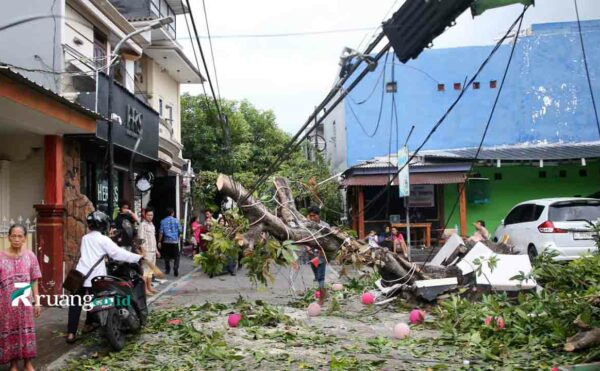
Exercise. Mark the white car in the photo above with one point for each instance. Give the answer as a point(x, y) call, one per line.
point(560, 224)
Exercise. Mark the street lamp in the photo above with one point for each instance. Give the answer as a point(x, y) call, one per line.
point(115, 55)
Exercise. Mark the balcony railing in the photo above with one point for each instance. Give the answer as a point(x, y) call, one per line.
point(161, 9)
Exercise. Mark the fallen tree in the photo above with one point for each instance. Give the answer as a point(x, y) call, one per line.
point(286, 223)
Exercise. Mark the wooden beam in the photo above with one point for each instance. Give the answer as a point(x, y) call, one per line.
point(463, 209)
point(361, 213)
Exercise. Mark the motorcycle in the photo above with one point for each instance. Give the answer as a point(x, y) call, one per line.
point(119, 302)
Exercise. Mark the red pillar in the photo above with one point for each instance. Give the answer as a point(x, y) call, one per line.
point(51, 218)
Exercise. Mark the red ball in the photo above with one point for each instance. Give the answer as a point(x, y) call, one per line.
point(417, 316)
point(234, 319)
point(317, 294)
point(367, 298)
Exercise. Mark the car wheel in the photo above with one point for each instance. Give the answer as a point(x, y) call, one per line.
point(532, 252)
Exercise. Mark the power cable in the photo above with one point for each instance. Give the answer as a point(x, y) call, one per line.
point(187, 25)
point(371, 135)
point(293, 143)
point(487, 126)
point(585, 63)
point(450, 109)
point(284, 34)
point(212, 53)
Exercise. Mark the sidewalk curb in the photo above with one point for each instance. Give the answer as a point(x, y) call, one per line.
point(171, 285)
point(59, 363)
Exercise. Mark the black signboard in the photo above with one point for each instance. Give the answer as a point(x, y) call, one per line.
point(137, 118)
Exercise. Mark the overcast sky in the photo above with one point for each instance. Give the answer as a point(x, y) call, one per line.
point(291, 75)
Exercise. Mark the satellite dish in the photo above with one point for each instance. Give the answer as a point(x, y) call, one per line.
point(144, 182)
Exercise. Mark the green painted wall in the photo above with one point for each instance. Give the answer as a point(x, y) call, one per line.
point(518, 184)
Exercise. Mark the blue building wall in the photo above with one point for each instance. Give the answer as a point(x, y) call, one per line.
point(545, 98)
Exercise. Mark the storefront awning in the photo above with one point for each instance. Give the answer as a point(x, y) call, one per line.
point(415, 178)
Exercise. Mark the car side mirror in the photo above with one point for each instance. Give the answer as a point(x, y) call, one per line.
point(502, 222)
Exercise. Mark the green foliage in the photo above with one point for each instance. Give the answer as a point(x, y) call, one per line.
point(255, 142)
point(258, 261)
point(539, 322)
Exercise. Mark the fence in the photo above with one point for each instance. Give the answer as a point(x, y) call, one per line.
point(31, 231)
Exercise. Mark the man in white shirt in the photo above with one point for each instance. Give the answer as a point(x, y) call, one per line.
point(94, 247)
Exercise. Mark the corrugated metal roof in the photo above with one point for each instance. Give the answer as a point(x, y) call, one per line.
point(415, 178)
point(7, 71)
point(524, 151)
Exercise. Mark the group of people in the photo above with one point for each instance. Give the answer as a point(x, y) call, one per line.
point(390, 238)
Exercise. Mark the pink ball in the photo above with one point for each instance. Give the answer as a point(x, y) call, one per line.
point(317, 294)
point(337, 287)
point(401, 331)
point(367, 298)
point(314, 309)
point(234, 319)
point(417, 316)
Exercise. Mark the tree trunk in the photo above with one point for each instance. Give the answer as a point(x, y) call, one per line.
point(583, 340)
point(288, 224)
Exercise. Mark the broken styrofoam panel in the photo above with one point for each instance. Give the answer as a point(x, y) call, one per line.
point(436, 282)
point(388, 289)
point(507, 266)
point(431, 289)
point(453, 243)
point(479, 251)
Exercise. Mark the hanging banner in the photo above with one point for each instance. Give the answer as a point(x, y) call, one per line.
point(403, 176)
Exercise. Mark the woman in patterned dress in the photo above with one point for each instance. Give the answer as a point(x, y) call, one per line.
point(17, 329)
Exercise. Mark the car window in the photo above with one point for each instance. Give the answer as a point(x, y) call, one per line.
point(538, 212)
point(580, 210)
point(522, 214)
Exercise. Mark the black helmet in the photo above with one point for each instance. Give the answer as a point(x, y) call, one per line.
point(98, 221)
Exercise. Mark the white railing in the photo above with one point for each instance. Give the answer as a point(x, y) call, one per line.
point(5, 226)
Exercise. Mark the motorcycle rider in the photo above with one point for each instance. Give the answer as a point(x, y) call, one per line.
point(94, 245)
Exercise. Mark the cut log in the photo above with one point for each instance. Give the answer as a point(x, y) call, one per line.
point(583, 340)
point(287, 223)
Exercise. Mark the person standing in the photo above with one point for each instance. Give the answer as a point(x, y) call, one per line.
point(170, 231)
point(197, 230)
point(318, 262)
point(17, 329)
point(95, 246)
point(148, 235)
point(125, 224)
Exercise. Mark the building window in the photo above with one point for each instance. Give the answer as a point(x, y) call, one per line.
point(160, 107)
point(441, 87)
point(493, 84)
point(562, 173)
point(497, 176)
point(457, 86)
point(542, 174)
point(169, 114)
point(582, 172)
point(476, 85)
point(99, 49)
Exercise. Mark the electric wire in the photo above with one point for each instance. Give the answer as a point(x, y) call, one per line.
point(449, 110)
point(585, 63)
point(487, 125)
point(360, 124)
point(297, 139)
point(212, 53)
point(284, 34)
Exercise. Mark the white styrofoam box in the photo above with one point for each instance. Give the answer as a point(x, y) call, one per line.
point(479, 251)
point(507, 266)
point(449, 247)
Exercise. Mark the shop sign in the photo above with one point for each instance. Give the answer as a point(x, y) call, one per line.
point(422, 195)
point(134, 121)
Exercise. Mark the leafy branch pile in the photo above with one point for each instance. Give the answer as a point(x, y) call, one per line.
point(530, 329)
